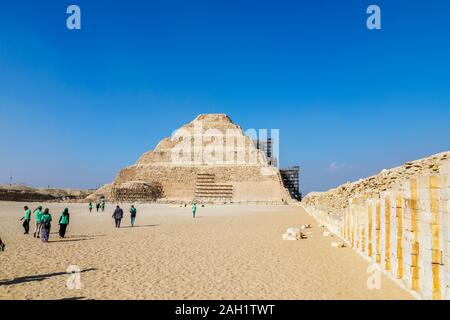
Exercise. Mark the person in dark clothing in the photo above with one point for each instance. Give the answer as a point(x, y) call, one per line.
point(97, 206)
point(26, 220)
point(63, 222)
point(118, 215)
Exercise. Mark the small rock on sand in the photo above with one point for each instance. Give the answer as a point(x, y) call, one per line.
point(337, 244)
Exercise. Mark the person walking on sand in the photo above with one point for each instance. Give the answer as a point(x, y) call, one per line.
point(133, 212)
point(2, 245)
point(90, 206)
point(26, 220)
point(46, 225)
point(118, 215)
point(102, 205)
point(38, 217)
point(63, 222)
point(194, 209)
point(97, 206)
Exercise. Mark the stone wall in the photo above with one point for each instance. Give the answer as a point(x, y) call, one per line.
point(335, 199)
point(404, 229)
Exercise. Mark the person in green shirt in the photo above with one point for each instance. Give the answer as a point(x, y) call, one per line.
point(90, 206)
point(102, 205)
point(194, 209)
point(63, 222)
point(26, 220)
point(46, 225)
point(38, 215)
point(133, 212)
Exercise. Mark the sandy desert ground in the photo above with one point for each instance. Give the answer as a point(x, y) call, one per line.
point(228, 252)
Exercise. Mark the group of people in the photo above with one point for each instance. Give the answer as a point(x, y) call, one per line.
point(118, 216)
point(43, 222)
point(101, 204)
point(118, 212)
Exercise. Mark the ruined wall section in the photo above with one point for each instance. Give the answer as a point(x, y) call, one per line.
point(404, 229)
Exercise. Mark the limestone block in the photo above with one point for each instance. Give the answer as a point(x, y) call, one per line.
point(407, 223)
point(394, 266)
point(424, 203)
point(406, 187)
point(407, 203)
point(446, 247)
point(292, 233)
point(407, 275)
point(446, 275)
point(288, 237)
point(446, 259)
point(445, 167)
point(424, 229)
point(426, 217)
point(444, 180)
point(446, 233)
point(445, 194)
point(426, 279)
point(423, 182)
point(337, 244)
point(412, 260)
point(426, 293)
point(429, 256)
point(408, 236)
point(444, 206)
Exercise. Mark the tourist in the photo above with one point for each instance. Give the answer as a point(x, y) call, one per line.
point(133, 212)
point(118, 215)
point(97, 206)
point(90, 206)
point(2, 245)
point(63, 222)
point(46, 225)
point(38, 215)
point(102, 205)
point(26, 220)
point(194, 209)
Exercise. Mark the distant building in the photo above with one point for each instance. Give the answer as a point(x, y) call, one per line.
point(291, 181)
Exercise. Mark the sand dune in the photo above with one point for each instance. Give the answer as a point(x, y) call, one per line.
point(228, 252)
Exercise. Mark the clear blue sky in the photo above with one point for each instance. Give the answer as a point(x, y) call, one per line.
point(76, 106)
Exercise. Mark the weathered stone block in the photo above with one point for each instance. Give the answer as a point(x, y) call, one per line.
point(444, 206)
point(445, 194)
point(445, 167)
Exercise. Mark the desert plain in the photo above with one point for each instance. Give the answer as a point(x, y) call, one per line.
point(227, 252)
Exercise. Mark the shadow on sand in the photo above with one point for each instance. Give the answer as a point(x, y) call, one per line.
point(69, 240)
point(40, 277)
point(139, 226)
point(76, 238)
